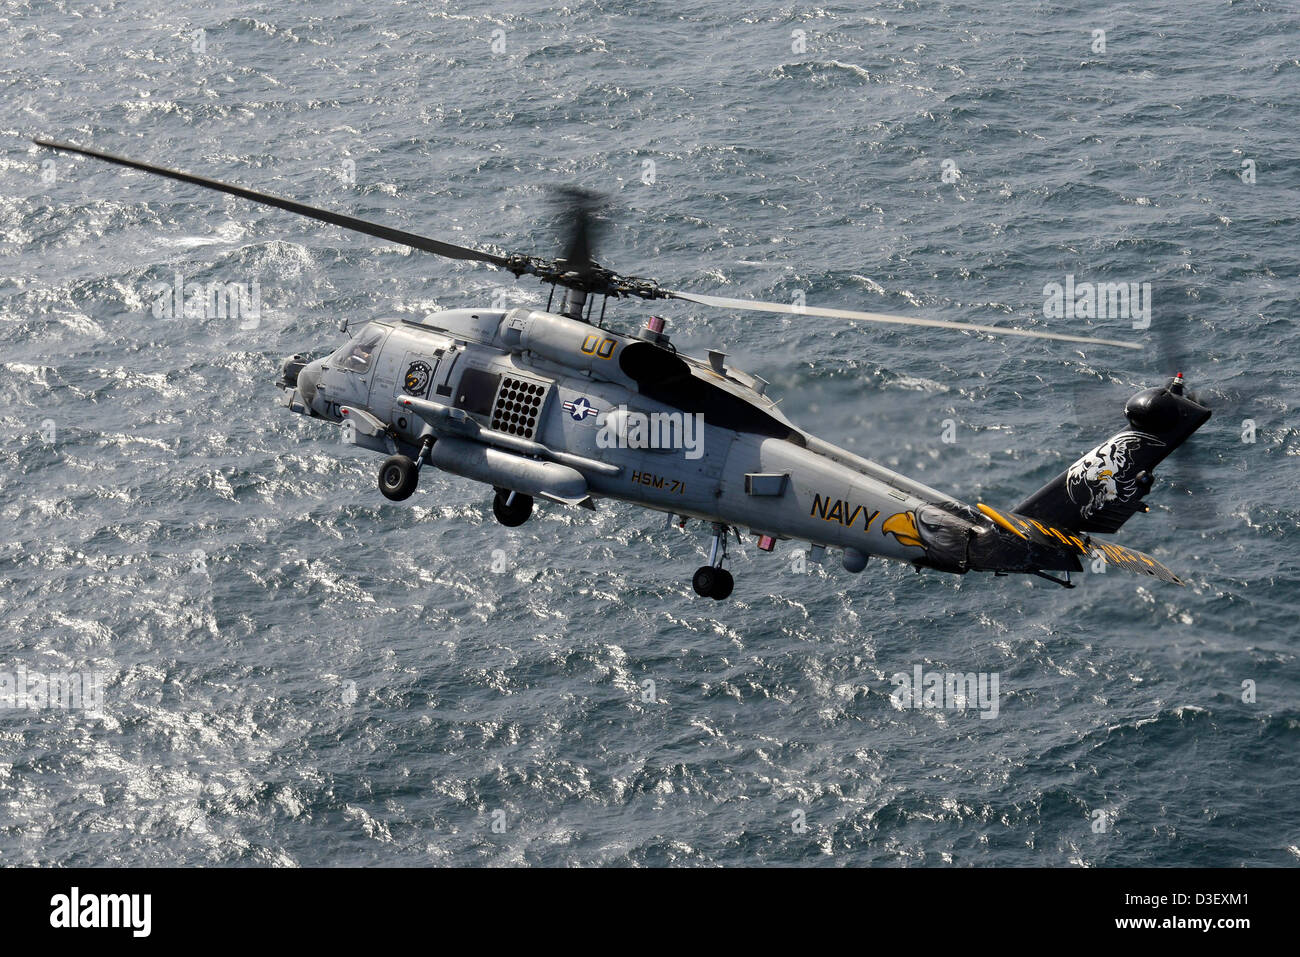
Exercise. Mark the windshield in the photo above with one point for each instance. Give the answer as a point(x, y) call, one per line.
point(357, 355)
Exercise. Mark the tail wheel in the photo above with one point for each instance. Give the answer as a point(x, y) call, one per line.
point(514, 514)
point(712, 580)
point(398, 477)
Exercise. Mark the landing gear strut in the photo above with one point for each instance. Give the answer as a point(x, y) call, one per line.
point(512, 508)
point(712, 580)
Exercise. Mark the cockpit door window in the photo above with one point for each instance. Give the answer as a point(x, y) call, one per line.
point(358, 355)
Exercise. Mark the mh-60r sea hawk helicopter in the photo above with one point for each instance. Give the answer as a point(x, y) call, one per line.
point(541, 404)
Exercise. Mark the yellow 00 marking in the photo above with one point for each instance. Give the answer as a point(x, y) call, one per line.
point(596, 346)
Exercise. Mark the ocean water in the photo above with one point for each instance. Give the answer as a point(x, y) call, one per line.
point(298, 672)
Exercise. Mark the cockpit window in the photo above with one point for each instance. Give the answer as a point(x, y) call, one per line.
point(358, 354)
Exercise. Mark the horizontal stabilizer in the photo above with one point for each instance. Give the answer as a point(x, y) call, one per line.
point(1130, 559)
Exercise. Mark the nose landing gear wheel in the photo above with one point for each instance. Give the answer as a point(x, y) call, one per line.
point(511, 508)
point(398, 477)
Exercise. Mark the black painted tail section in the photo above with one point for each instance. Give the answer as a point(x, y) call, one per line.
point(1100, 491)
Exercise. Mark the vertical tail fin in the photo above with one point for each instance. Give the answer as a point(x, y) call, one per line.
point(1100, 491)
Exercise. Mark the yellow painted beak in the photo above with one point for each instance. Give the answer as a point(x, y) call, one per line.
point(902, 525)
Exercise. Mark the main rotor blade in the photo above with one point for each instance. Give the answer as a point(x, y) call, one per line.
point(759, 305)
point(579, 207)
point(401, 237)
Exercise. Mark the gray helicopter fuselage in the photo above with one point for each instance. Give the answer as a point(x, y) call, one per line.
point(547, 405)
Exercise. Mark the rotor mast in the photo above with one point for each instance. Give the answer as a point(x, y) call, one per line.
point(572, 304)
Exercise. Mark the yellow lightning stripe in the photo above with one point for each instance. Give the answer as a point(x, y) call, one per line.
point(1060, 535)
point(997, 518)
point(1041, 528)
point(1115, 552)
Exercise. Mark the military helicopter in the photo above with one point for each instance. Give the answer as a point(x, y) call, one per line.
point(553, 405)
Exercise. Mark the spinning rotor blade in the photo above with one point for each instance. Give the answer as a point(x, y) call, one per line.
point(580, 206)
point(423, 243)
point(758, 305)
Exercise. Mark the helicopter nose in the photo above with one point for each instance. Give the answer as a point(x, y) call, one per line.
point(308, 378)
point(289, 370)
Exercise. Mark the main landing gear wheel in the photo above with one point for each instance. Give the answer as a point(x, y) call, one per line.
point(712, 580)
point(511, 508)
point(723, 586)
point(398, 477)
point(706, 577)
point(715, 583)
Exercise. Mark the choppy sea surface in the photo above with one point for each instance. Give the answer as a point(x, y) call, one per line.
point(299, 672)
